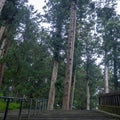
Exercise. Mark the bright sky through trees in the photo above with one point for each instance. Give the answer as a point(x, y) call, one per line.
point(38, 4)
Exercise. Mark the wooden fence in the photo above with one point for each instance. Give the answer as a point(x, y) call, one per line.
point(110, 102)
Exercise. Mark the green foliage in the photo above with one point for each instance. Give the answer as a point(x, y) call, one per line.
point(95, 78)
point(27, 63)
point(2, 105)
point(109, 30)
point(12, 106)
point(57, 13)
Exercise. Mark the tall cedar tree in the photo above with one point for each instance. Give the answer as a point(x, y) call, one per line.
point(107, 14)
point(70, 54)
point(56, 17)
point(7, 18)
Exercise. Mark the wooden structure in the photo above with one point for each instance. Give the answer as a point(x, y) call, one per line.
point(110, 102)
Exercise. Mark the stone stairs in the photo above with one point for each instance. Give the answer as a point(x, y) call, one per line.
point(63, 115)
point(70, 115)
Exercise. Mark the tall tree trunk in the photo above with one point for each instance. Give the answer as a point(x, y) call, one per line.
point(115, 68)
point(70, 53)
point(52, 87)
point(88, 95)
point(2, 29)
point(3, 50)
point(88, 79)
point(72, 90)
point(106, 74)
point(1, 73)
point(2, 2)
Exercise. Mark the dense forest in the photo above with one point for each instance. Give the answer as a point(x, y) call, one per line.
point(41, 62)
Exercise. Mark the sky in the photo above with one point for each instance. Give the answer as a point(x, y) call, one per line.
point(118, 7)
point(38, 4)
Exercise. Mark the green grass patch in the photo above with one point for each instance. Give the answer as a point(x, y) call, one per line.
point(12, 105)
point(2, 105)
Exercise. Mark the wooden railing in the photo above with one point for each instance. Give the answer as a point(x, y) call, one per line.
point(26, 106)
point(110, 102)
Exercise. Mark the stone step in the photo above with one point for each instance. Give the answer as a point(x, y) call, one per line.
point(63, 115)
point(67, 119)
point(70, 115)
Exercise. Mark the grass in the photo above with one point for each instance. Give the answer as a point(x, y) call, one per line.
point(12, 106)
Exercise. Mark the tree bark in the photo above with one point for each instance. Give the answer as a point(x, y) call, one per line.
point(1, 73)
point(115, 67)
point(2, 2)
point(51, 98)
point(70, 53)
point(3, 50)
point(88, 79)
point(2, 29)
point(88, 95)
point(72, 90)
point(106, 74)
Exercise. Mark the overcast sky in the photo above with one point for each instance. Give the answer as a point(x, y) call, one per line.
point(38, 4)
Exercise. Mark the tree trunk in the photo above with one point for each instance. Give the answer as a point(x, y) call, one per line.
point(2, 29)
point(2, 48)
point(72, 90)
point(106, 74)
point(1, 73)
point(2, 53)
point(88, 95)
point(88, 79)
point(70, 53)
point(2, 2)
point(115, 67)
point(51, 98)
